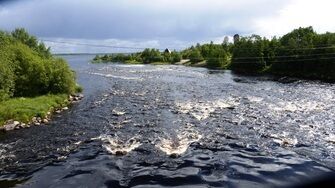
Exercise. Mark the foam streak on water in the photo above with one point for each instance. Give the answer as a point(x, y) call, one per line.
point(202, 109)
point(180, 143)
point(115, 145)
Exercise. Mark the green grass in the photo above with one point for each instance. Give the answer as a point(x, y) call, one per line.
point(24, 109)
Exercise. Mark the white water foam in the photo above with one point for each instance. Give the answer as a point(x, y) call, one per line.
point(202, 110)
point(180, 143)
point(301, 105)
point(284, 139)
point(5, 151)
point(255, 99)
point(115, 145)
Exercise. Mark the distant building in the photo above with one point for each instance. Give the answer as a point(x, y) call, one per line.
point(236, 38)
point(167, 51)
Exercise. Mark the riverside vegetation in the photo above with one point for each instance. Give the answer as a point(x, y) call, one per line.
point(301, 53)
point(32, 81)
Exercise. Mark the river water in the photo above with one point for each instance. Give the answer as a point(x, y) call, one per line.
point(165, 126)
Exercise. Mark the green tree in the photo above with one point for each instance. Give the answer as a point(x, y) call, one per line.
point(151, 55)
point(176, 57)
point(31, 41)
point(24, 72)
point(195, 56)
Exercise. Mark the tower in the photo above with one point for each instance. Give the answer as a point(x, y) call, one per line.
point(236, 38)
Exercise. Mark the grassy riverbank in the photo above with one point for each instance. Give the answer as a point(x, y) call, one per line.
point(32, 81)
point(24, 109)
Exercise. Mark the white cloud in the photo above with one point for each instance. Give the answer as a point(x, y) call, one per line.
point(299, 13)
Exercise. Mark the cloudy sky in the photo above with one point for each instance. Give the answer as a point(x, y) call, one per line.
point(158, 23)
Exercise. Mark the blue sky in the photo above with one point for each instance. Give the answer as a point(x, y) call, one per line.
point(159, 23)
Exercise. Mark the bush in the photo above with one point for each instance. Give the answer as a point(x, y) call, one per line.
point(176, 57)
point(26, 72)
point(195, 56)
point(151, 55)
point(62, 79)
point(216, 62)
point(23, 36)
point(30, 72)
point(6, 80)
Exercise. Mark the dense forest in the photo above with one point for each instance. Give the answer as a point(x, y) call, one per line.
point(300, 53)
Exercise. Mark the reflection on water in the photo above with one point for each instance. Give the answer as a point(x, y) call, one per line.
point(161, 126)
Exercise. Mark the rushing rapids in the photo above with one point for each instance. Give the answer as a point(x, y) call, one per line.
point(160, 126)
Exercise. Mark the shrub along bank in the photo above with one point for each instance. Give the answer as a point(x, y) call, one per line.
point(27, 72)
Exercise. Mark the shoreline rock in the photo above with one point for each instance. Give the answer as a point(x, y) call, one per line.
point(11, 124)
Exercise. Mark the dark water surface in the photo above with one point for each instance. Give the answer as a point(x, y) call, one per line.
point(177, 126)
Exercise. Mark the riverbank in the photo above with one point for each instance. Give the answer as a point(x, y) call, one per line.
point(33, 82)
point(17, 113)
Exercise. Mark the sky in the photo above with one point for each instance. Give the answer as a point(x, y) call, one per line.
point(173, 24)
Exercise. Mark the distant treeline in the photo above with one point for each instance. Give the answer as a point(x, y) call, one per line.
point(300, 53)
point(28, 69)
point(147, 56)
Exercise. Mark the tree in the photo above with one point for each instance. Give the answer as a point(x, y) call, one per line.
point(24, 72)
point(22, 35)
point(176, 57)
point(195, 56)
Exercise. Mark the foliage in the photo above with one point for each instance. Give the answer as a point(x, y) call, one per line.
point(7, 82)
point(248, 54)
point(27, 68)
point(151, 55)
point(216, 55)
point(175, 57)
point(300, 53)
point(195, 56)
point(61, 77)
point(23, 36)
point(146, 56)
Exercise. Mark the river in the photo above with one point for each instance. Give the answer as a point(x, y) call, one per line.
point(164, 126)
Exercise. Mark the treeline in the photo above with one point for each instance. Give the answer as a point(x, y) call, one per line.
point(300, 53)
point(28, 69)
point(146, 56)
point(214, 55)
